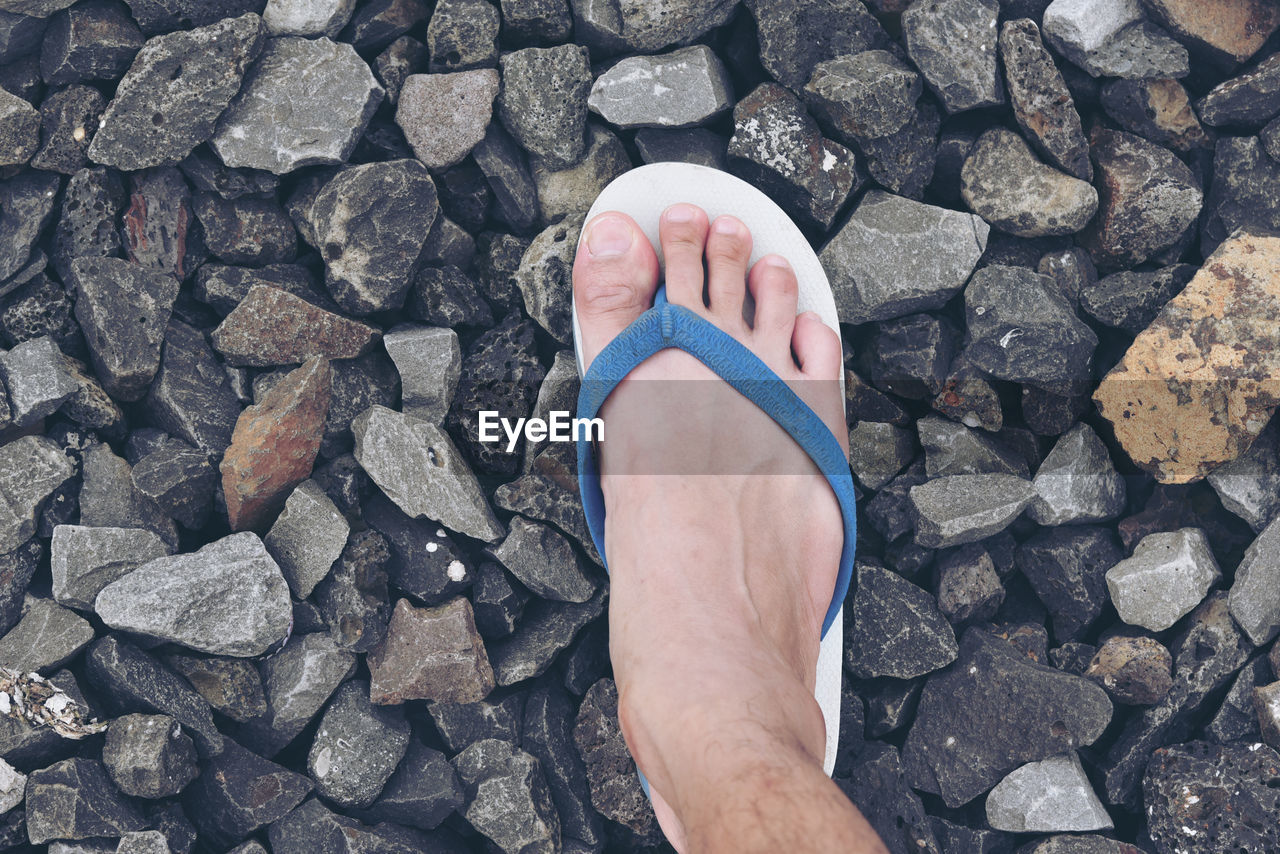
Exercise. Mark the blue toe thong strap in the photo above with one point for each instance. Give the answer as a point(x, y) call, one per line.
point(666, 325)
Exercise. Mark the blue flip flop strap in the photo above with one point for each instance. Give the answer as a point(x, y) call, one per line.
point(666, 325)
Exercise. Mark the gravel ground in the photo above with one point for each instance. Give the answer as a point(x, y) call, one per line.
point(262, 587)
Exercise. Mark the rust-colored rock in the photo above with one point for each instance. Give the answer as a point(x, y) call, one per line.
point(1228, 30)
point(1158, 109)
point(1198, 385)
point(274, 446)
point(430, 654)
point(273, 327)
point(1136, 671)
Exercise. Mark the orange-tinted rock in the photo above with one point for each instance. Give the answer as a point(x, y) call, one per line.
point(1231, 30)
point(273, 327)
point(274, 446)
point(1198, 385)
point(1158, 109)
point(431, 654)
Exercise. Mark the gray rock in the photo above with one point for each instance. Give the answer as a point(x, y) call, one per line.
point(542, 559)
point(545, 278)
point(544, 101)
point(1249, 99)
point(992, 712)
point(953, 43)
point(969, 588)
point(357, 747)
point(796, 36)
point(109, 499)
point(1165, 579)
point(149, 756)
point(1255, 594)
point(66, 118)
point(1131, 299)
point(307, 17)
point(1110, 39)
point(307, 537)
point(1003, 182)
point(461, 725)
point(124, 346)
point(895, 628)
point(463, 34)
point(545, 631)
point(431, 654)
point(1266, 701)
point(952, 448)
point(896, 256)
point(1077, 482)
point(73, 799)
point(298, 681)
point(633, 27)
point(305, 102)
point(143, 842)
point(863, 96)
point(965, 508)
point(1066, 568)
point(1021, 329)
point(549, 719)
point(1249, 485)
point(180, 480)
point(566, 193)
point(423, 791)
point(683, 88)
point(191, 397)
point(46, 637)
point(369, 266)
point(240, 792)
point(507, 798)
point(37, 378)
point(26, 206)
point(228, 598)
point(429, 361)
point(87, 222)
point(507, 171)
point(1237, 718)
point(31, 468)
point(611, 772)
point(778, 147)
point(444, 116)
point(417, 466)
point(173, 93)
point(1243, 192)
point(879, 451)
point(12, 787)
point(1046, 796)
point(688, 145)
point(1041, 102)
point(19, 129)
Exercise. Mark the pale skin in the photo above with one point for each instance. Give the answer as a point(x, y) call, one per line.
point(719, 581)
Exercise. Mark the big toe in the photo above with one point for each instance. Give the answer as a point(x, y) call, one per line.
point(615, 276)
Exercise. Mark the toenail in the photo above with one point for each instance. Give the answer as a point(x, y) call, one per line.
point(680, 213)
point(725, 225)
point(777, 261)
point(609, 236)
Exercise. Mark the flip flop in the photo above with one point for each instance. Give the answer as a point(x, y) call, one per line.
point(644, 193)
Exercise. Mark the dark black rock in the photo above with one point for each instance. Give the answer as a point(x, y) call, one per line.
point(463, 34)
point(16, 569)
point(1244, 192)
point(169, 819)
point(1131, 299)
point(156, 227)
point(90, 41)
point(903, 161)
point(108, 497)
point(68, 120)
point(507, 796)
point(505, 167)
point(543, 102)
point(1067, 568)
point(889, 512)
point(209, 174)
point(232, 686)
point(587, 660)
point(796, 36)
point(958, 839)
point(548, 736)
point(878, 787)
point(344, 481)
point(462, 724)
point(446, 296)
point(1072, 657)
point(993, 711)
point(191, 397)
point(422, 553)
point(1237, 719)
point(498, 268)
point(353, 597)
point(891, 703)
point(536, 21)
point(969, 589)
point(545, 630)
point(180, 480)
point(298, 681)
point(404, 56)
point(19, 35)
point(1222, 796)
point(149, 756)
point(357, 747)
point(498, 600)
point(1041, 102)
point(423, 791)
point(26, 205)
point(87, 222)
point(381, 22)
point(611, 772)
point(247, 231)
point(895, 628)
point(314, 828)
point(74, 799)
point(22, 78)
point(161, 16)
point(239, 792)
point(912, 355)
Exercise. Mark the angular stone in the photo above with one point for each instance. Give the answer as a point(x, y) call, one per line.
point(953, 43)
point(19, 129)
point(611, 772)
point(499, 601)
point(779, 148)
point(690, 145)
point(543, 495)
point(504, 166)
point(307, 537)
point(130, 680)
point(879, 451)
point(381, 22)
point(357, 747)
point(1077, 482)
point(431, 654)
point(543, 102)
point(952, 448)
point(1131, 299)
point(149, 756)
point(878, 787)
point(20, 35)
point(1249, 99)
point(1041, 101)
point(12, 787)
point(546, 630)
point(232, 686)
point(429, 361)
point(1243, 192)
point(91, 41)
point(67, 121)
point(1167, 576)
point(897, 629)
point(274, 445)
point(298, 681)
point(73, 799)
point(1234, 778)
point(568, 193)
point(246, 230)
point(683, 88)
point(1135, 671)
point(969, 589)
point(307, 17)
point(156, 226)
point(180, 480)
point(87, 223)
point(1112, 39)
point(26, 206)
point(353, 599)
point(865, 95)
point(545, 273)
point(1229, 32)
point(992, 712)
point(1046, 796)
point(306, 102)
point(46, 637)
point(1255, 594)
point(507, 798)
point(392, 67)
point(173, 93)
point(1067, 567)
point(37, 378)
point(444, 116)
point(1186, 383)
point(462, 35)
point(425, 562)
point(240, 792)
point(796, 36)
point(1266, 701)
point(1249, 486)
point(461, 725)
point(965, 508)
point(1156, 109)
point(912, 354)
point(548, 729)
point(271, 327)
point(543, 561)
point(448, 243)
point(191, 397)
point(1022, 329)
point(1003, 182)
point(895, 256)
point(228, 598)
point(1237, 718)
point(1147, 199)
point(31, 469)
point(903, 161)
point(537, 21)
point(423, 791)
point(108, 497)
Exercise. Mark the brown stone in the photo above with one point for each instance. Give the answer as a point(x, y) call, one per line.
point(273, 327)
point(1158, 109)
point(1266, 701)
point(274, 445)
point(1136, 671)
point(1198, 385)
point(1230, 30)
point(444, 116)
point(430, 654)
